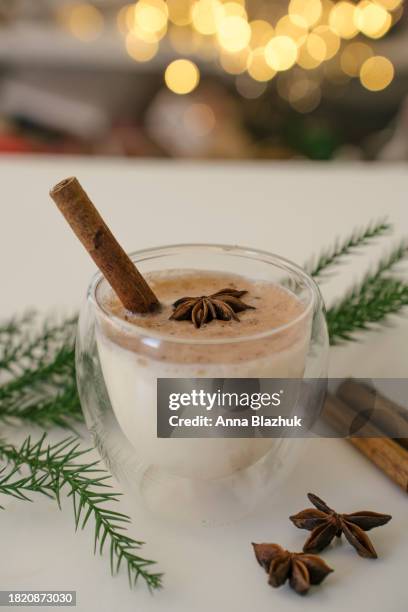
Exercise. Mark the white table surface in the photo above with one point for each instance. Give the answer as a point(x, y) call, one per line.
point(293, 210)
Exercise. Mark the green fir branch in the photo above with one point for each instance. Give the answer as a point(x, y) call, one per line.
point(334, 255)
point(17, 486)
point(388, 262)
point(37, 373)
point(54, 469)
point(370, 302)
point(365, 307)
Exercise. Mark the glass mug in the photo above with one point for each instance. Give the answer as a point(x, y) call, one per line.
point(208, 481)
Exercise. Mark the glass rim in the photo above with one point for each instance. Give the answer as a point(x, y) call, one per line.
point(240, 251)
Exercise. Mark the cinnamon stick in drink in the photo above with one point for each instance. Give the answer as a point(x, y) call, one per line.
point(121, 273)
point(383, 413)
point(386, 454)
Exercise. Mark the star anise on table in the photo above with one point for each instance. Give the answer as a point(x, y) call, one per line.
point(325, 524)
point(301, 569)
point(221, 305)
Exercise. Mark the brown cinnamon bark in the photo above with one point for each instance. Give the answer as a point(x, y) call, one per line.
point(385, 414)
point(386, 454)
point(111, 259)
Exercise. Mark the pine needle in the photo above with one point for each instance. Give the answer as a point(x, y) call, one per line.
point(334, 255)
point(365, 307)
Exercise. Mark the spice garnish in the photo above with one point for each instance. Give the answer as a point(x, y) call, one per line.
point(325, 523)
point(301, 569)
point(117, 267)
point(222, 305)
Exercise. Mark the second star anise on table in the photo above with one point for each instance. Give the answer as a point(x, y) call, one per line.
point(301, 569)
point(325, 524)
point(221, 305)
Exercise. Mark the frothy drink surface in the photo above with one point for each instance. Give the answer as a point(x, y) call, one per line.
point(274, 305)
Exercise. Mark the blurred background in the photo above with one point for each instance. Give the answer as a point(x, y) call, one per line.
point(254, 79)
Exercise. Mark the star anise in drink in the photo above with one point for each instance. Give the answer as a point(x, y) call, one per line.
point(325, 524)
point(221, 305)
point(301, 569)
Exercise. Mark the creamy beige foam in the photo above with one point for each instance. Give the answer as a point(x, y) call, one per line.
point(274, 305)
point(275, 308)
point(134, 355)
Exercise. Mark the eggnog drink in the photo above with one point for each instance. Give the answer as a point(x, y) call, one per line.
point(269, 341)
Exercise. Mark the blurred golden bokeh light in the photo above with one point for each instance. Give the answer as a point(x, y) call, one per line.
point(342, 21)
point(327, 6)
point(372, 19)
point(354, 56)
point(234, 9)
point(306, 12)
point(305, 60)
point(294, 28)
point(206, 15)
point(179, 12)
point(258, 67)
point(376, 73)
point(261, 33)
point(151, 15)
point(84, 21)
point(139, 49)
point(234, 63)
point(182, 76)
point(234, 33)
point(316, 47)
point(331, 39)
point(281, 53)
point(148, 35)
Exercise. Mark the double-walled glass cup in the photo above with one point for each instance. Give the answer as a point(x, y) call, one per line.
point(207, 480)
